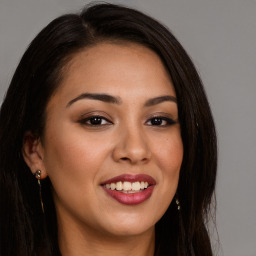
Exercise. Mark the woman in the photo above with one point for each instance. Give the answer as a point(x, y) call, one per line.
point(108, 144)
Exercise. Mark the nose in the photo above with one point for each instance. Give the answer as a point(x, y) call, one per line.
point(132, 147)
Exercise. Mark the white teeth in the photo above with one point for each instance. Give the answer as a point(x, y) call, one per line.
point(112, 186)
point(119, 185)
point(131, 191)
point(128, 187)
point(136, 185)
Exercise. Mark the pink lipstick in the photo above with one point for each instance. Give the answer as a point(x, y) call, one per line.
point(130, 189)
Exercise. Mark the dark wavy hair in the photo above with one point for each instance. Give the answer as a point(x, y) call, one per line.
point(25, 230)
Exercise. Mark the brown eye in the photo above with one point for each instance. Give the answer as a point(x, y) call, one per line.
point(160, 121)
point(95, 121)
point(157, 121)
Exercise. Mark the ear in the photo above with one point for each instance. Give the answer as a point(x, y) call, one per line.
point(33, 153)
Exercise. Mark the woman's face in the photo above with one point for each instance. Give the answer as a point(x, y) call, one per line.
point(112, 146)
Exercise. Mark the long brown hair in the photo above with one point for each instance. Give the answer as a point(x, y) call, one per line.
point(24, 228)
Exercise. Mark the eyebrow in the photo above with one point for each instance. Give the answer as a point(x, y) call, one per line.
point(116, 100)
point(95, 96)
point(160, 99)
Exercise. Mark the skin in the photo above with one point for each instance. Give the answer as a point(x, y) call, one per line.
point(78, 156)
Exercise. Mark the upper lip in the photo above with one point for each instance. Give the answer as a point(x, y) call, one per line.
point(131, 178)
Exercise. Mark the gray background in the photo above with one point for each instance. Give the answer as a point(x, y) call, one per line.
point(220, 36)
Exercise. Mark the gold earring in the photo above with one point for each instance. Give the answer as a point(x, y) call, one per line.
point(37, 174)
point(178, 203)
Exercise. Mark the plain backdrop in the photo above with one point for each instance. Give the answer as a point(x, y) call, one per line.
point(220, 36)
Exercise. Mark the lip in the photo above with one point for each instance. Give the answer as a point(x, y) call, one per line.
point(133, 198)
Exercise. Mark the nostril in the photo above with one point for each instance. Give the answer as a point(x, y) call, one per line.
point(125, 158)
point(132, 160)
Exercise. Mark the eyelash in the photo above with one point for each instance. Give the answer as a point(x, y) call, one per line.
point(168, 121)
point(99, 119)
point(95, 118)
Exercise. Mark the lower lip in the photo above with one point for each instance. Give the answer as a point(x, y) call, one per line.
point(132, 198)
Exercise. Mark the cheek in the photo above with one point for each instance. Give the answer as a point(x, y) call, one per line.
point(169, 154)
point(169, 159)
point(73, 162)
point(72, 159)
point(69, 145)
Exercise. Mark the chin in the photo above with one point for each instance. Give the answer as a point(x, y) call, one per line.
point(123, 231)
point(130, 225)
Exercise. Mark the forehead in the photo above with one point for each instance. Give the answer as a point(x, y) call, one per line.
point(118, 69)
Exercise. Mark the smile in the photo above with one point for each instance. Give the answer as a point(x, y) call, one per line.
point(130, 189)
